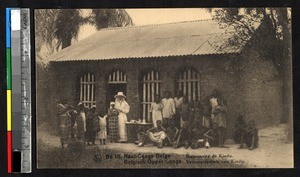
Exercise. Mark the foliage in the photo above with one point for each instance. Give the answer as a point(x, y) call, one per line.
point(56, 28)
point(67, 26)
point(104, 18)
point(273, 42)
point(245, 21)
point(45, 30)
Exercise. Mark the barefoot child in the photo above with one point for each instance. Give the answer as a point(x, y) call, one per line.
point(212, 137)
point(198, 136)
point(103, 132)
point(172, 134)
point(184, 137)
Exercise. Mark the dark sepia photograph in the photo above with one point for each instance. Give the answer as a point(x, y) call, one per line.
point(164, 88)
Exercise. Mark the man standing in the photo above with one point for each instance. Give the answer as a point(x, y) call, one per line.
point(178, 100)
point(123, 107)
point(168, 109)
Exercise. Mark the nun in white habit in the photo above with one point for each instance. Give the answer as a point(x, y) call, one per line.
point(123, 107)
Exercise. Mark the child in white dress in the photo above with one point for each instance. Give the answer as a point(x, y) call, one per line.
point(103, 132)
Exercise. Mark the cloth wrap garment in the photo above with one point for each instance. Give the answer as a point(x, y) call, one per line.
point(64, 122)
point(157, 137)
point(81, 128)
point(113, 124)
point(156, 109)
point(102, 122)
point(220, 112)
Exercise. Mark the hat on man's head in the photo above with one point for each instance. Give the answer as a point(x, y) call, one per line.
point(80, 104)
point(120, 94)
point(112, 103)
point(94, 106)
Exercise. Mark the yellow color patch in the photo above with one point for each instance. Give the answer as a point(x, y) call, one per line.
point(8, 97)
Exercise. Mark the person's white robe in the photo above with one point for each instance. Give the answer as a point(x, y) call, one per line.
point(168, 108)
point(214, 103)
point(123, 108)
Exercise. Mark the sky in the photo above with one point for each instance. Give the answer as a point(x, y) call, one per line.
point(159, 16)
point(142, 17)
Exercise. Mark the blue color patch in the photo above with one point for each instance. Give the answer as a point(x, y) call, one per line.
point(7, 23)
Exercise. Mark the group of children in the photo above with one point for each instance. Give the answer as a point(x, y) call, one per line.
point(177, 123)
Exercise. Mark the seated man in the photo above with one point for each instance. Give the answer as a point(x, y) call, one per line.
point(198, 136)
point(250, 136)
point(156, 135)
point(140, 135)
point(212, 137)
point(239, 128)
point(184, 137)
point(172, 134)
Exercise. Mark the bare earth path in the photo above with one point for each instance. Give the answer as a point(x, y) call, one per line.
point(273, 151)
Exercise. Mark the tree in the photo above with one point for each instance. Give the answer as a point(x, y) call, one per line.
point(56, 28)
point(67, 26)
point(276, 25)
point(45, 31)
point(104, 18)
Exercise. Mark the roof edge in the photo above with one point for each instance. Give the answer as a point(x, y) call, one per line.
point(150, 25)
point(111, 59)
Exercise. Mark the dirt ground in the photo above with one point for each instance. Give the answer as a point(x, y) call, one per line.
point(273, 151)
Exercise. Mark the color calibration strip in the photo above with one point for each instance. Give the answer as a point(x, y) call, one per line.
point(18, 79)
point(8, 92)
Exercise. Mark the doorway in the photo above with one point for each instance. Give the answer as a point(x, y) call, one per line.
point(117, 82)
point(112, 90)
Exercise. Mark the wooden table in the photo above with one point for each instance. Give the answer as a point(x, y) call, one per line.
point(132, 130)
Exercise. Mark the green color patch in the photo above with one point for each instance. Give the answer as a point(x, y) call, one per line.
point(8, 68)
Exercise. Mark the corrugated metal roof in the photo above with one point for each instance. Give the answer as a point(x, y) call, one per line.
point(174, 39)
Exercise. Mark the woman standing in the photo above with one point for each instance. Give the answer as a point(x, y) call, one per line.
point(81, 127)
point(123, 107)
point(64, 122)
point(92, 125)
point(113, 123)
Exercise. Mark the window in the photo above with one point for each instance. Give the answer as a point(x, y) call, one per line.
point(189, 83)
point(87, 89)
point(150, 87)
point(117, 77)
